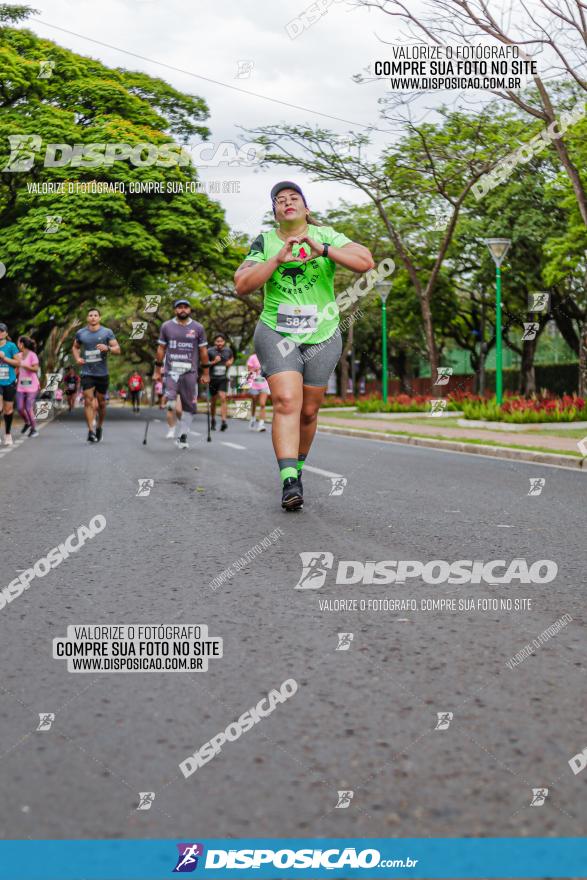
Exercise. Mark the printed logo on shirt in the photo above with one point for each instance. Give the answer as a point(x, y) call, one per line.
point(300, 278)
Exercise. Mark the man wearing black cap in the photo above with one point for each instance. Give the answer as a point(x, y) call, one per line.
point(182, 347)
point(297, 339)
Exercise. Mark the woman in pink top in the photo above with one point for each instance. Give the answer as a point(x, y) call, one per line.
point(258, 387)
point(28, 384)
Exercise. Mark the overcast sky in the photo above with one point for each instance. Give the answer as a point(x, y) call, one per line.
point(210, 38)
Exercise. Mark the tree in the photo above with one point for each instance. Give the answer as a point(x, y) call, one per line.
point(557, 30)
point(432, 165)
point(105, 246)
point(527, 210)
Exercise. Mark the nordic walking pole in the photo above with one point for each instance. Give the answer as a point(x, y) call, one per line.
point(208, 438)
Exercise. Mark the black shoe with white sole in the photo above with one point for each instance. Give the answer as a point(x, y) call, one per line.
point(292, 498)
point(92, 437)
point(98, 434)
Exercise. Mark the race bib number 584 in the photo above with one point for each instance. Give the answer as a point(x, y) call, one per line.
point(296, 319)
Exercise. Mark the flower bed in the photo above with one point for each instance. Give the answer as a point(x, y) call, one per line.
point(332, 400)
point(405, 403)
point(521, 410)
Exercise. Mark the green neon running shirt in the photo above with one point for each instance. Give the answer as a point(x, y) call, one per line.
point(299, 284)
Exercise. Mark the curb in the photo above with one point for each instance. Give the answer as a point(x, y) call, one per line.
point(402, 416)
point(550, 458)
point(527, 426)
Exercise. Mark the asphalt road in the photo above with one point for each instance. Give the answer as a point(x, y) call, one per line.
point(362, 719)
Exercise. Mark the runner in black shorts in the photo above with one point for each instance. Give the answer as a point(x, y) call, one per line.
point(221, 358)
point(297, 339)
point(71, 382)
point(96, 342)
point(9, 359)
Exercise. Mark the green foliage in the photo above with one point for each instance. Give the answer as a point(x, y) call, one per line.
point(109, 247)
point(402, 404)
point(521, 411)
point(14, 13)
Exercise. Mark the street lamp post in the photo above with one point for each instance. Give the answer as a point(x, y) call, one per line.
point(498, 248)
point(383, 288)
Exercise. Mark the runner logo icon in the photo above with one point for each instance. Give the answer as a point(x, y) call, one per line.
point(344, 800)
point(537, 484)
point(146, 799)
point(46, 69)
point(444, 719)
point(46, 719)
point(539, 795)
point(43, 409)
point(314, 568)
point(338, 485)
point(531, 329)
point(138, 329)
point(538, 302)
point(438, 406)
point(188, 857)
point(53, 380)
point(344, 641)
point(152, 302)
point(52, 222)
point(444, 374)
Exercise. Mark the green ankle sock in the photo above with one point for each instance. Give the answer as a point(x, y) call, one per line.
point(300, 465)
point(287, 468)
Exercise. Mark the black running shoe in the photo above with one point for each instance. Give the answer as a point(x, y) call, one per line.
point(300, 483)
point(25, 428)
point(292, 498)
point(92, 437)
point(98, 434)
point(223, 426)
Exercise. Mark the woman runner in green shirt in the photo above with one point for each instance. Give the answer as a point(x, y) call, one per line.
point(297, 339)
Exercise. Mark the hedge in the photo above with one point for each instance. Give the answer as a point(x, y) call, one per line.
point(556, 378)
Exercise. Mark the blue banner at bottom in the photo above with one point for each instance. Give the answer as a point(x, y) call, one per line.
point(293, 857)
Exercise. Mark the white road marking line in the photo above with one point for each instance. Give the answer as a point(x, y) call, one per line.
point(315, 470)
point(232, 445)
point(196, 433)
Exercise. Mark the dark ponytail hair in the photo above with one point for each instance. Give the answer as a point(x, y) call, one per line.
point(28, 342)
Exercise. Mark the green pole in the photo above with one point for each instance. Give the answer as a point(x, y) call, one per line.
point(498, 354)
point(384, 348)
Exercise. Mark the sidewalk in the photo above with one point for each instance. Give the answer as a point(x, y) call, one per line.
point(530, 445)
